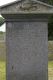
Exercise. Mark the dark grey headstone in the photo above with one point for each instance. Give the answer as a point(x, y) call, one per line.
point(27, 48)
point(27, 39)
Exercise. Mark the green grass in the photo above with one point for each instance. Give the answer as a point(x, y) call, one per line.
point(50, 46)
point(2, 61)
point(2, 51)
point(50, 64)
point(50, 70)
point(2, 70)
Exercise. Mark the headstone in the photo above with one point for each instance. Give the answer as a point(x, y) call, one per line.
point(27, 39)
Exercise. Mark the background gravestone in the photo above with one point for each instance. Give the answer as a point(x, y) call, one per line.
point(27, 39)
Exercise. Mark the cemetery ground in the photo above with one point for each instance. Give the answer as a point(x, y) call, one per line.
point(3, 61)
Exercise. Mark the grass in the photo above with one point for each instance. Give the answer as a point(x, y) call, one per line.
point(50, 46)
point(50, 70)
point(2, 61)
point(50, 64)
point(2, 70)
point(2, 51)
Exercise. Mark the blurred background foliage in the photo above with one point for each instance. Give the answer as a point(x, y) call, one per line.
point(50, 24)
point(2, 20)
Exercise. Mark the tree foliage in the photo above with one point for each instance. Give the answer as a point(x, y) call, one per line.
point(1, 20)
point(50, 24)
point(50, 28)
point(50, 2)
